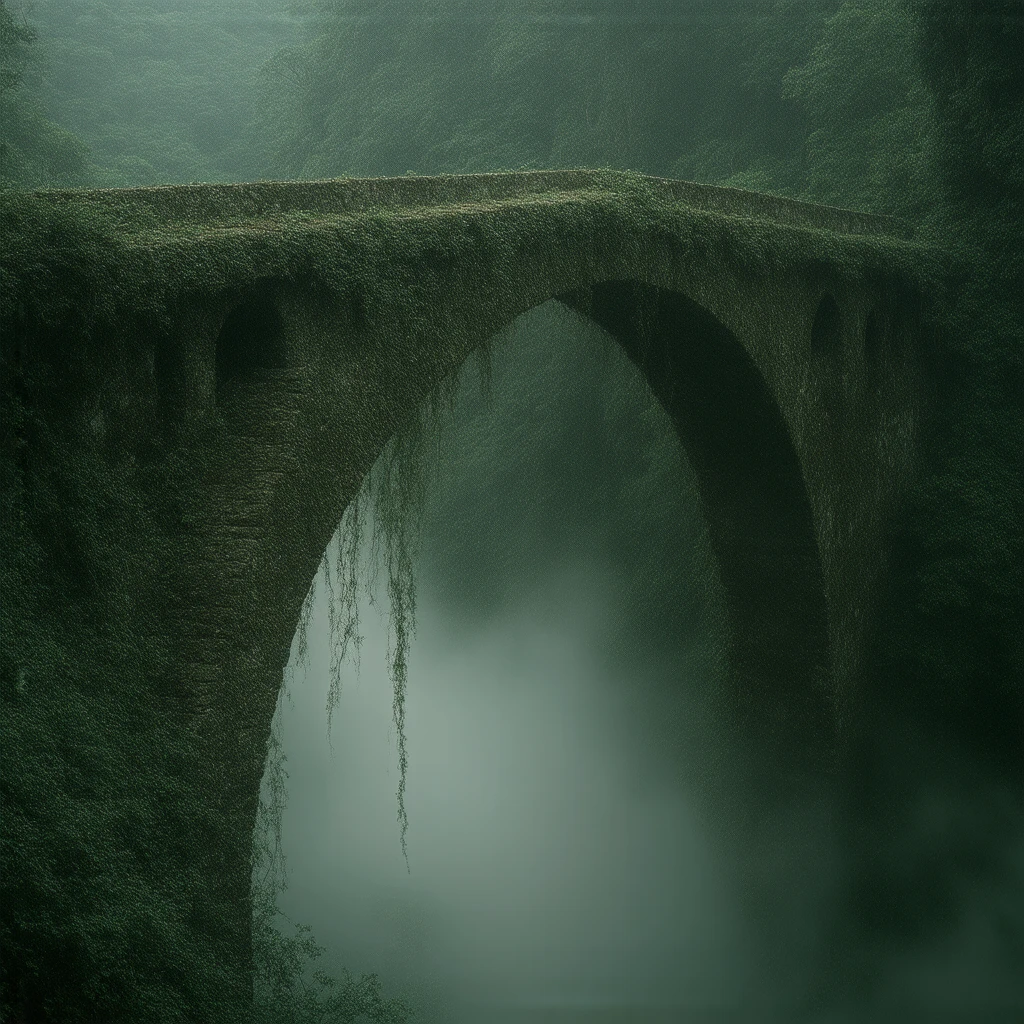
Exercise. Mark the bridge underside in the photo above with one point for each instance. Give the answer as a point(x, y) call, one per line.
point(235, 358)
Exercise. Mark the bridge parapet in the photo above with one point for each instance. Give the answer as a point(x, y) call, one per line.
point(205, 203)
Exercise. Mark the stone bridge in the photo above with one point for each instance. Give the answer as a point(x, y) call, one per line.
point(251, 348)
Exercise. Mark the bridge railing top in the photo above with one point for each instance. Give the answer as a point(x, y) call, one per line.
point(210, 203)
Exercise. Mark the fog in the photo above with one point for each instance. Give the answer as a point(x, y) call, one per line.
point(552, 860)
point(555, 858)
point(564, 855)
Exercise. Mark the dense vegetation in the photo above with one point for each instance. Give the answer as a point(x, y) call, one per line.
point(909, 107)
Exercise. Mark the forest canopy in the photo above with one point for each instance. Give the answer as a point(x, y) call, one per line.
point(819, 99)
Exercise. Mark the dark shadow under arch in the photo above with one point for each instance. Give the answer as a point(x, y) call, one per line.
point(759, 519)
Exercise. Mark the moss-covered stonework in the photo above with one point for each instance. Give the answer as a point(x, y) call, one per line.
point(196, 380)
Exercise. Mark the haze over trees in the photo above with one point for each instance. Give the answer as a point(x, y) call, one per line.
point(913, 108)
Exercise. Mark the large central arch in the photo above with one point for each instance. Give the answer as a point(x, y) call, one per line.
point(755, 501)
point(783, 693)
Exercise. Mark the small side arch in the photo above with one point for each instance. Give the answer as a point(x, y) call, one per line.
point(251, 338)
point(827, 328)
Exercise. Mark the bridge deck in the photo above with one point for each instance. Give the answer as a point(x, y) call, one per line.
point(147, 209)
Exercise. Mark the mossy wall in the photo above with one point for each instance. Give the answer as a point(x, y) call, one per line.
point(196, 379)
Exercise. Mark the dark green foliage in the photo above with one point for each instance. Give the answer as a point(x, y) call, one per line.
point(15, 40)
point(935, 779)
point(971, 59)
point(110, 788)
point(817, 100)
point(59, 269)
point(942, 707)
point(98, 795)
point(869, 115)
point(159, 90)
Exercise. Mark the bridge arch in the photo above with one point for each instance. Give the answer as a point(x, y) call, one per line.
point(779, 710)
point(754, 501)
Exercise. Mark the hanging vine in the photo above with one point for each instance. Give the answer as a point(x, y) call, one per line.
point(395, 493)
point(394, 496)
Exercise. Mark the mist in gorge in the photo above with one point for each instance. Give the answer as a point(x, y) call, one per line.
point(555, 860)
